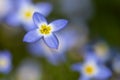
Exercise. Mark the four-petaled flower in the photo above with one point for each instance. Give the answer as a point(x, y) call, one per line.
point(56, 56)
point(45, 30)
point(91, 68)
point(23, 14)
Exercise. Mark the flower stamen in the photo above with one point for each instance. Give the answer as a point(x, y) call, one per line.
point(28, 14)
point(89, 70)
point(45, 29)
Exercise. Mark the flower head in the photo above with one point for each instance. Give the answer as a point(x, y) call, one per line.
point(5, 62)
point(25, 9)
point(45, 30)
point(56, 56)
point(91, 68)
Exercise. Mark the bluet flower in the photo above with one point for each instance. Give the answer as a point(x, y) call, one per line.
point(5, 62)
point(23, 14)
point(91, 68)
point(56, 56)
point(45, 31)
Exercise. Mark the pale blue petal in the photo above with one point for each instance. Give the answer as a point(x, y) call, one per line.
point(51, 41)
point(53, 59)
point(77, 67)
point(29, 26)
point(83, 78)
point(13, 20)
point(36, 49)
point(44, 8)
point(56, 58)
point(20, 3)
point(58, 24)
point(32, 36)
point(39, 19)
point(104, 73)
point(90, 56)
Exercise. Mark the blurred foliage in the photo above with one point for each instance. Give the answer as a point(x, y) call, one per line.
point(106, 21)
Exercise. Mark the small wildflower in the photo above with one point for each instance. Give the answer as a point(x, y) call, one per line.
point(91, 68)
point(23, 14)
point(5, 62)
point(45, 30)
point(56, 56)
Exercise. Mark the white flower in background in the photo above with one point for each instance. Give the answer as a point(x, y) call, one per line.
point(28, 70)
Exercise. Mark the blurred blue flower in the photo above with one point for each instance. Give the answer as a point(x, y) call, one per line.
point(102, 51)
point(5, 8)
point(29, 70)
point(45, 31)
point(5, 62)
point(24, 12)
point(56, 56)
point(91, 68)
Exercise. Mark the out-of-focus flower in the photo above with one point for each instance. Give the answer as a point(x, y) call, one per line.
point(5, 62)
point(5, 8)
point(45, 31)
point(116, 64)
point(55, 56)
point(91, 68)
point(28, 70)
point(102, 51)
point(23, 14)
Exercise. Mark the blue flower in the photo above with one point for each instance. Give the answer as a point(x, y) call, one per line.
point(24, 12)
point(5, 62)
point(45, 31)
point(91, 68)
point(56, 56)
point(101, 49)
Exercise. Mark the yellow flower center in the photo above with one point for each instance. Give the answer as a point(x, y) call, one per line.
point(101, 49)
point(3, 62)
point(45, 29)
point(89, 70)
point(28, 14)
